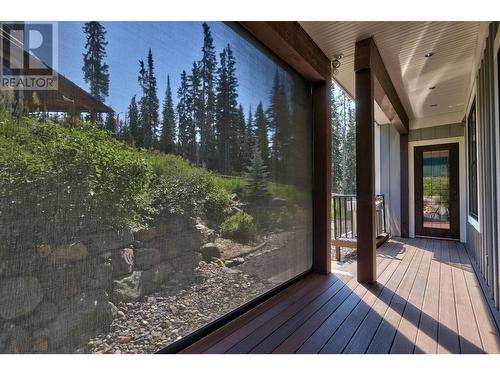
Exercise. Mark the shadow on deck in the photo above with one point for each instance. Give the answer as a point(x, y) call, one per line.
point(427, 299)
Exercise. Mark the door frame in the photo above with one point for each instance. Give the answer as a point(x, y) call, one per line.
point(454, 188)
point(462, 181)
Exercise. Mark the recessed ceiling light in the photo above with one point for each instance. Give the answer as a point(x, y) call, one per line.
point(434, 105)
point(430, 54)
point(432, 87)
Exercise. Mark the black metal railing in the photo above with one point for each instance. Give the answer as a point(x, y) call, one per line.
point(344, 215)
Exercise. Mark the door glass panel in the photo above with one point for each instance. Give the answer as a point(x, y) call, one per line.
point(436, 192)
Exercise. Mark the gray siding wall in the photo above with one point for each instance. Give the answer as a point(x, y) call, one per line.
point(482, 244)
point(390, 180)
point(436, 132)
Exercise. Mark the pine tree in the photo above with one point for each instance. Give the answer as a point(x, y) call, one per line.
point(168, 130)
point(299, 170)
point(278, 121)
point(239, 140)
point(208, 66)
point(226, 108)
point(195, 110)
point(248, 141)
point(183, 115)
point(350, 151)
point(95, 70)
point(149, 103)
point(134, 124)
point(110, 124)
point(258, 177)
point(337, 168)
point(124, 133)
point(261, 136)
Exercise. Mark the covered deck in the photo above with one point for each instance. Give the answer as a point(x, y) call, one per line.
point(427, 299)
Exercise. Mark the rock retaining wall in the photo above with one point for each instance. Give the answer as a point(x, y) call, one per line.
point(54, 298)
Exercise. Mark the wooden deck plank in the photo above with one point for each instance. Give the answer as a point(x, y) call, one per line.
point(427, 299)
point(386, 331)
point(328, 328)
point(427, 334)
point(448, 341)
point(487, 328)
point(286, 330)
point(297, 338)
point(470, 339)
point(404, 341)
point(242, 332)
point(342, 336)
point(361, 337)
point(267, 329)
point(262, 312)
point(315, 342)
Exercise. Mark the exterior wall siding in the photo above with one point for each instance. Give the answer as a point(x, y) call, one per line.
point(482, 243)
point(390, 179)
point(436, 132)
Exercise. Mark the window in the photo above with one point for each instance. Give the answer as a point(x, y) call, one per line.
point(164, 182)
point(472, 157)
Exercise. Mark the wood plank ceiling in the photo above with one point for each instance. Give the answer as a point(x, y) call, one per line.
point(403, 46)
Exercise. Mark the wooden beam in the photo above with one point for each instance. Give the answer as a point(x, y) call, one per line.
point(322, 178)
point(367, 56)
point(291, 43)
point(365, 176)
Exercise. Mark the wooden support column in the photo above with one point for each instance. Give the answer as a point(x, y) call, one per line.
point(373, 84)
point(365, 176)
point(322, 178)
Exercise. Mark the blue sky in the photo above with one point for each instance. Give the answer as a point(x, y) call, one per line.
point(175, 45)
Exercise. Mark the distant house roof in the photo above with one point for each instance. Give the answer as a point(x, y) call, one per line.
point(68, 97)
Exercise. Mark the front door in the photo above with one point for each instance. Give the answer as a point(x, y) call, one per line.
point(436, 191)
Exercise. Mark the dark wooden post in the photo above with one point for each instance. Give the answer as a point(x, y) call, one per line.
point(365, 176)
point(93, 116)
point(322, 178)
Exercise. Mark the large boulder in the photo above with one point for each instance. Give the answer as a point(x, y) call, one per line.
point(109, 240)
point(19, 296)
point(141, 283)
point(145, 258)
point(45, 312)
point(210, 251)
point(13, 339)
point(122, 261)
point(83, 315)
point(207, 234)
point(128, 288)
point(235, 262)
point(100, 277)
point(71, 252)
point(66, 280)
point(185, 263)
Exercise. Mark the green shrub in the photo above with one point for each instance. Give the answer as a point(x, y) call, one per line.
point(57, 183)
point(182, 189)
point(240, 227)
point(281, 218)
point(290, 193)
point(235, 184)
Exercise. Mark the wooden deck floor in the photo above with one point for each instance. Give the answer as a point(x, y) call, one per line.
point(427, 300)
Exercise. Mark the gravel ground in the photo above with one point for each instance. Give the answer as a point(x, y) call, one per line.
point(180, 308)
